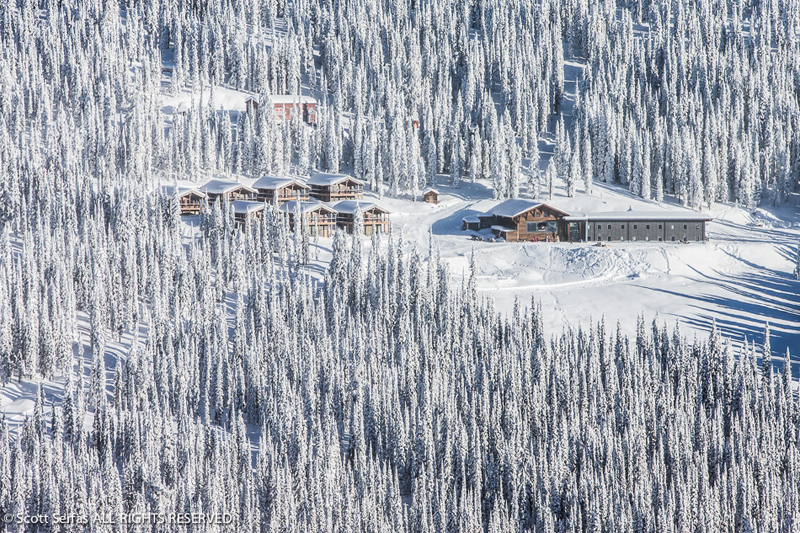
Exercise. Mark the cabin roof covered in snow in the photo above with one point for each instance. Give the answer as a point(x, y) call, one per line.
point(275, 182)
point(305, 207)
point(511, 208)
point(327, 179)
point(292, 99)
point(349, 206)
point(246, 207)
point(170, 190)
point(219, 186)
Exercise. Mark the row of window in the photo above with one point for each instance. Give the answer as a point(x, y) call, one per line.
point(647, 226)
point(647, 238)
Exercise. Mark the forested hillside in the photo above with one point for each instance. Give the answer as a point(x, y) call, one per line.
point(695, 98)
point(387, 400)
point(379, 395)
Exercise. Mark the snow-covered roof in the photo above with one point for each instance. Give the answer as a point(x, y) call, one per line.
point(170, 190)
point(429, 190)
point(471, 219)
point(224, 186)
point(327, 179)
point(305, 207)
point(503, 229)
point(292, 99)
point(245, 207)
point(349, 206)
point(513, 207)
point(273, 182)
point(643, 215)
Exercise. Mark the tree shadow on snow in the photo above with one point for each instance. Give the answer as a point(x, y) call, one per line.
point(749, 301)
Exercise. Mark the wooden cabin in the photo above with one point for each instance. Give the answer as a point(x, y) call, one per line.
point(525, 220)
point(335, 187)
point(288, 106)
point(375, 218)
point(228, 190)
point(320, 218)
point(271, 189)
point(189, 199)
point(245, 211)
point(430, 196)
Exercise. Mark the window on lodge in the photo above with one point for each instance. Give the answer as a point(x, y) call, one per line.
point(551, 226)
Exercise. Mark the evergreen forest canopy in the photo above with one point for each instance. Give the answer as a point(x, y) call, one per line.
point(384, 398)
point(700, 99)
point(381, 400)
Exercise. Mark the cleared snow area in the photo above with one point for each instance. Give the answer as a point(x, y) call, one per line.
point(742, 277)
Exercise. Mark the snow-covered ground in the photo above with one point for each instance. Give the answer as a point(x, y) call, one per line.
point(742, 277)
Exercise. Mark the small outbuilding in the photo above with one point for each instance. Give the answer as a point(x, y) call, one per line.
point(228, 190)
point(271, 188)
point(189, 199)
point(471, 222)
point(430, 196)
point(320, 218)
point(251, 103)
point(375, 219)
point(328, 187)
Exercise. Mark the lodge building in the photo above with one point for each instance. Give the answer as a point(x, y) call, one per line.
point(248, 202)
point(189, 199)
point(327, 187)
point(320, 218)
point(217, 189)
point(271, 189)
point(646, 226)
point(288, 106)
point(375, 219)
point(525, 220)
point(245, 211)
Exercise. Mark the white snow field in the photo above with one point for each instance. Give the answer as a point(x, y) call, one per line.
point(741, 278)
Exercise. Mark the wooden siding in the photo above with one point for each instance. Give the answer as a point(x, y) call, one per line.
point(190, 203)
point(537, 215)
point(237, 194)
point(334, 193)
point(431, 197)
point(285, 194)
point(374, 221)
